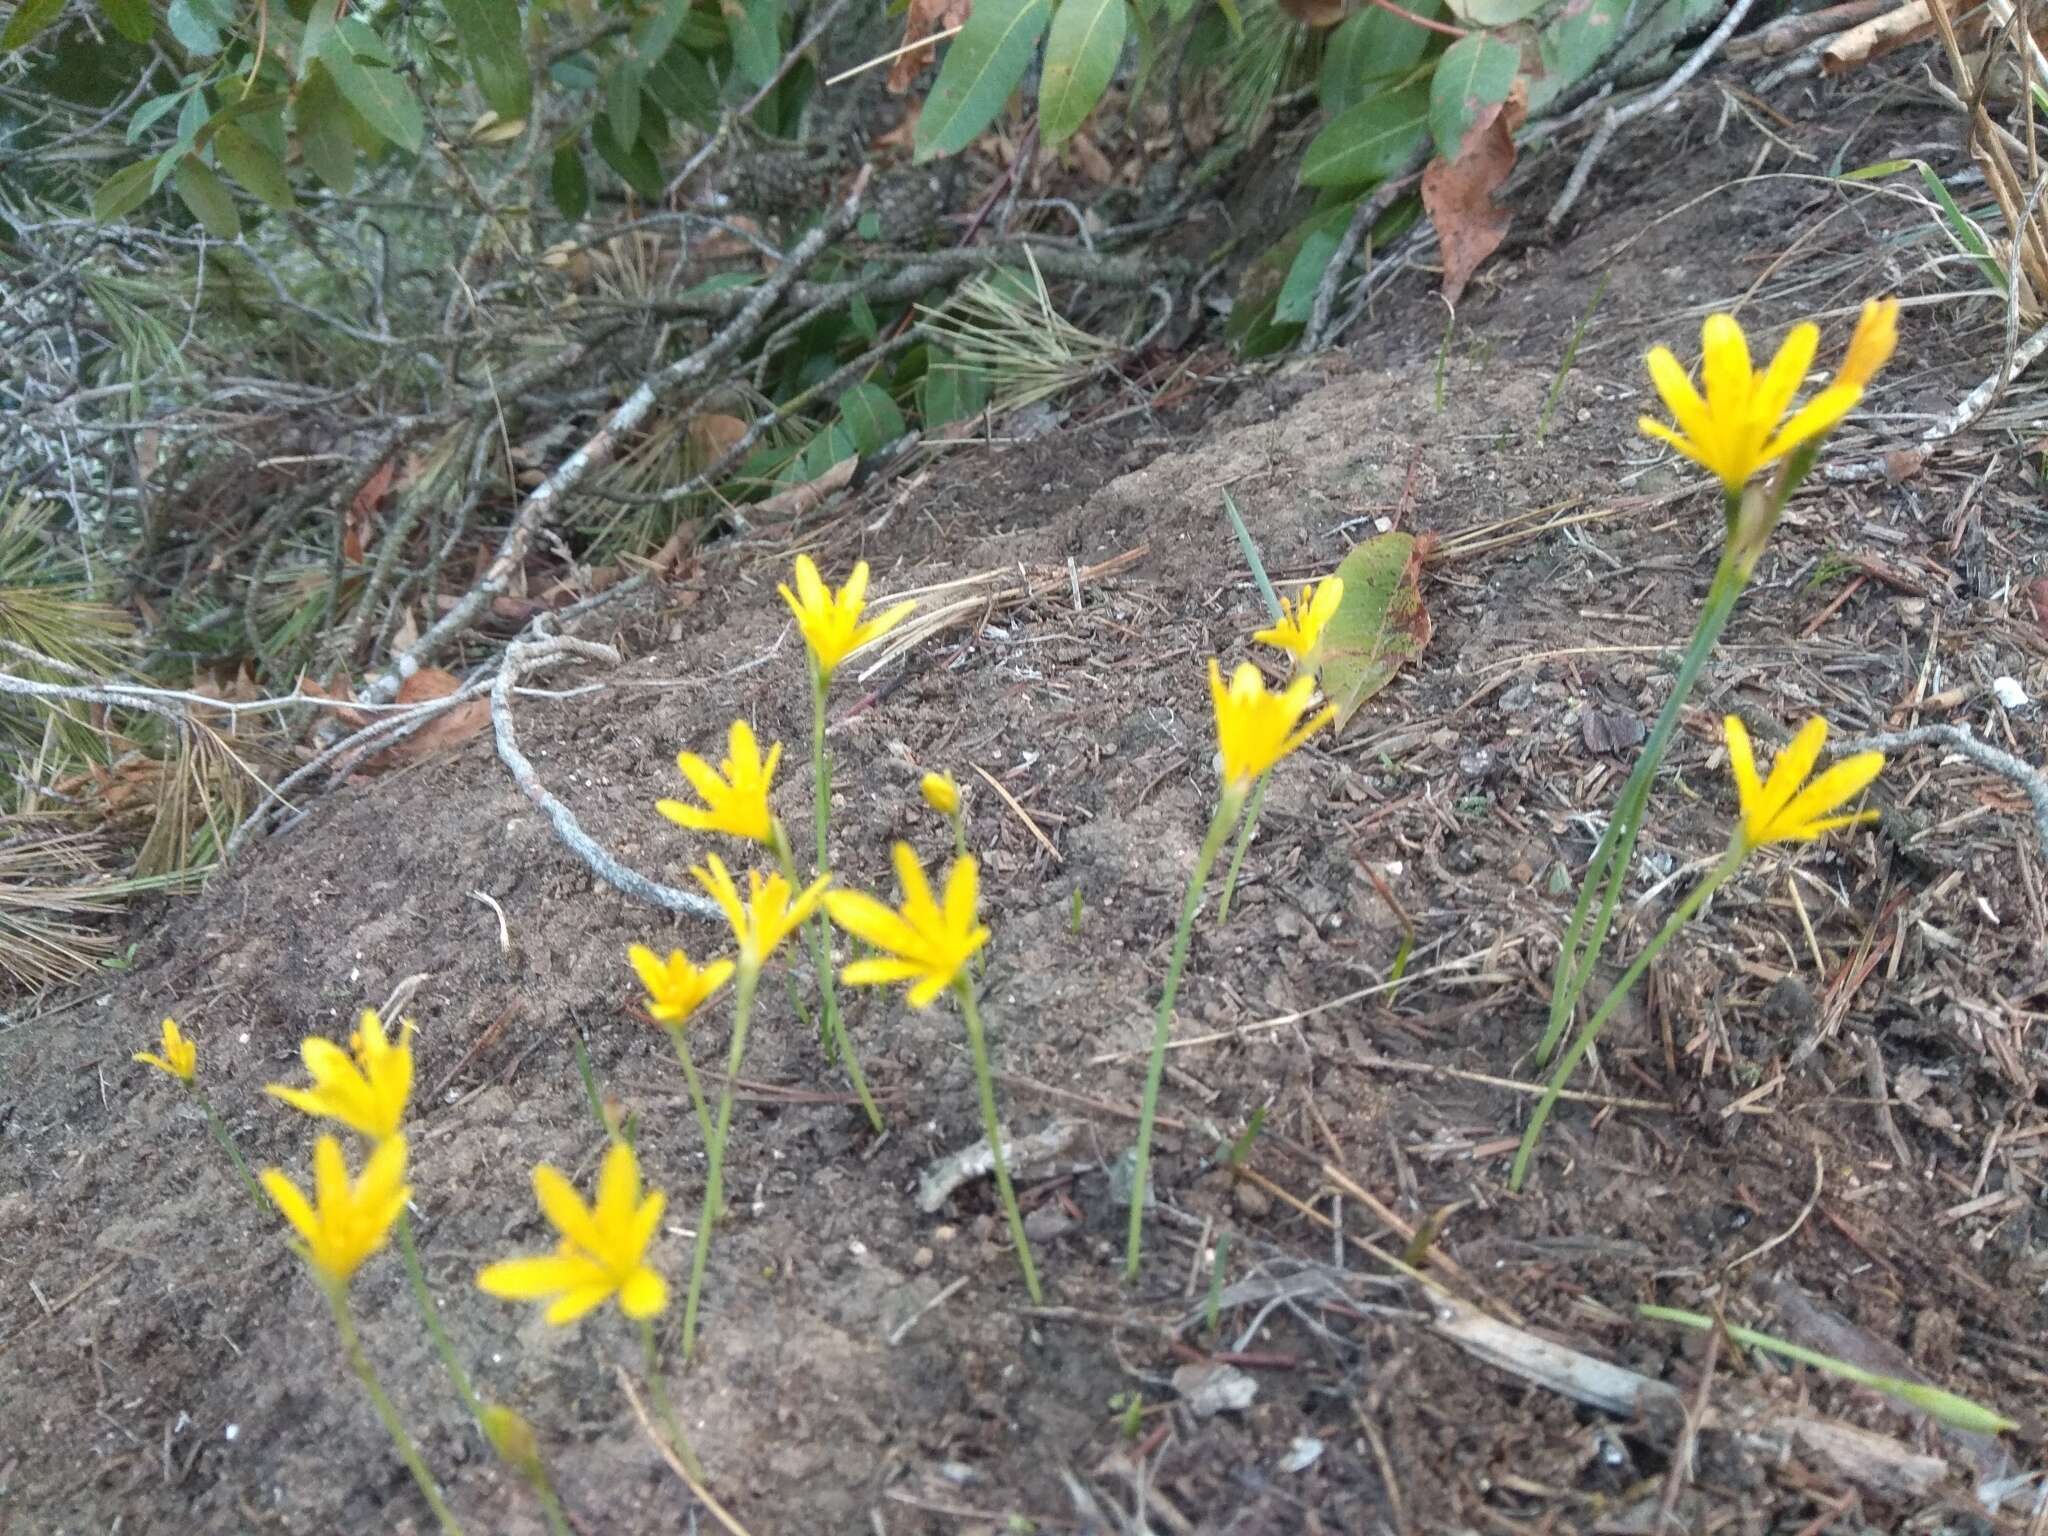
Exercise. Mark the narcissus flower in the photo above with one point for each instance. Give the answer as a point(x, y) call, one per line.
point(940, 793)
point(923, 942)
point(366, 1091)
point(676, 989)
point(831, 621)
point(772, 910)
point(1738, 425)
point(347, 1220)
point(1786, 808)
point(1870, 348)
point(735, 793)
point(1300, 629)
point(180, 1056)
point(603, 1252)
point(1255, 728)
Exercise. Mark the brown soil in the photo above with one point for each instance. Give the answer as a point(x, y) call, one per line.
point(168, 1367)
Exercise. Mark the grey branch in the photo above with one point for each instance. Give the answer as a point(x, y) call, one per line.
point(522, 657)
point(1959, 738)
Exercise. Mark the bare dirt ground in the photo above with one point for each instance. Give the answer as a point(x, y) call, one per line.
point(1823, 1117)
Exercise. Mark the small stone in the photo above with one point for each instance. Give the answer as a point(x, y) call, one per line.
point(1211, 1389)
point(1789, 1001)
point(922, 1259)
point(945, 1234)
point(1046, 1223)
point(1250, 1200)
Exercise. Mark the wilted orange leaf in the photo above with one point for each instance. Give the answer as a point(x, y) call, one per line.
point(446, 730)
point(1458, 196)
point(923, 19)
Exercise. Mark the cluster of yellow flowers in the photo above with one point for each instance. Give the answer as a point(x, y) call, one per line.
point(928, 941)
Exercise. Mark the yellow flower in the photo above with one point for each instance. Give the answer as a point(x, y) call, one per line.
point(831, 621)
point(1739, 425)
point(1780, 810)
point(735, 793)
point(923, 942)
point(676, 989)
point(1300, 629)
point(767, 916)
point(1870, 348)
point(1255, 728)
point(180, 1056)
point(603, 1252)
point(347, 1221)
point(366, 1091)
point(941, 793)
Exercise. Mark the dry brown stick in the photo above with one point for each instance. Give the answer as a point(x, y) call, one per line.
point(1790, 32)
point(702, 1494)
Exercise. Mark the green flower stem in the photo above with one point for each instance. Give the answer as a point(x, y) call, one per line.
point(675, 1036)
point(1228, 807)
point(963, 990)
point(431, 1314)
point(1607, 872)
point(714, 1179)
point(959, 833)
point(657, 1384)
point(544, 1489)
point(821, 767)
point(226, 1138)
point(831, 1027)
point(590, 1088)
point(1245, 834)
point(359, 1362)
point(1568, 1063)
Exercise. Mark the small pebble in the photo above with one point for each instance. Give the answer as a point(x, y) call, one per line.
point(1250, 1200)
point(922, 1259)
point(945, 1234)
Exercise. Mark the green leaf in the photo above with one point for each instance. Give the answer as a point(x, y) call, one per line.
point(1476, 72)
point(193, 28)
point(568, 182)
point(28, 23)
point(489, 31)
point(983, 66)
point(656, 30)
point(124, 191)
point(1081, 54)
point(824, 450)
point(1298, 294)
point(1368, 142)
point(191, 118)
point(755, 27)
point(1380, 623)
point(319, 23)
point(255, 167)
point(208, 198)
point(577, 72)
point(325, 141)
point(952, 393)
point(377, 93)
point(1495, 13)
point(1369, 52)
point(635, 162)
point(151, 111)
point(681, 83)
point(872, 419)
point(131, 18)
point(622, 101)
point(1574, 42)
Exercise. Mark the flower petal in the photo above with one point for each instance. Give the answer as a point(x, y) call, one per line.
point(1790, 769)
point(645, 1294)
point(870, 921)
point(571, 1305)
point(1832, 790)
point(880, 971)
point(962, 893)
point(1749, 790)
point(1725, 370)
point(290, 1202)
point(618, 1191)
point(1816, 418)
point(1675, 388)
point(560, 1203)
point(1781, 380)
point(535, 1278)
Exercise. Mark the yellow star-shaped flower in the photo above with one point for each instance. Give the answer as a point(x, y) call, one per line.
point(347, 1220)
point(1786, 808)
point(676, 989)
point(367, 1090)
point(923, 942)
point(179, 1057)
point(771, 911)
point(1738, 425)
point(1299, 631)
point(1255, 728)
point(603, 1251)
point(831, 621)
point(735, 793)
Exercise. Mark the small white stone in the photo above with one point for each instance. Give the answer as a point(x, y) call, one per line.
point(234, 1432)
point(2009, 692)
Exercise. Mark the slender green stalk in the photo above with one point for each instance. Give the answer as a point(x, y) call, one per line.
point(417, 1274)
point(818, 932)
point(963, 989)
point(675, 1036)
point(1607, 872)
point(1228, 807)
point(519, 1448)
point(714, 1178)
point(359, 1362)
point(226, 1139)
point(544, 1489)
point(959, 821)
point(657, 1383)
point(1246, 831)
point(590, 1087)
point(1568, 1063)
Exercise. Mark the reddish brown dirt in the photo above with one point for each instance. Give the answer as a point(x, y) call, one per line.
point(169, 1367)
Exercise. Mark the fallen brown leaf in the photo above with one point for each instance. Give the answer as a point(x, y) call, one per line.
point(360, 521)
point(442, 732)
point(1314, 13)
point(799, 499)
point(923, 18)
point(1458, 196)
